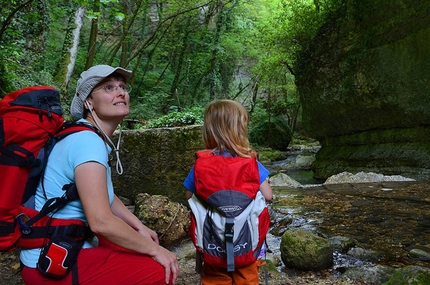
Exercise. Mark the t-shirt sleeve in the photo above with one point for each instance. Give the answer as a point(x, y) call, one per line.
point(189, 181)
point(264, 173)
point(87, 146)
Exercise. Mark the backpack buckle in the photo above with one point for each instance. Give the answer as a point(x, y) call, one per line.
point(22, 219)
point(229, 231)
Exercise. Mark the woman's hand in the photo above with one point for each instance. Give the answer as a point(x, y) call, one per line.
point(147, 232)
point(169, 261)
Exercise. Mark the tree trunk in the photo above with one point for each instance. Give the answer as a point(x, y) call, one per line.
point(93, 37)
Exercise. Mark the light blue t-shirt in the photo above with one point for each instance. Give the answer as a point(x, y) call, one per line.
point(70, 152)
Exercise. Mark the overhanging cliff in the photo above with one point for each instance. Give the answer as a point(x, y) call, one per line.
point(364, 84)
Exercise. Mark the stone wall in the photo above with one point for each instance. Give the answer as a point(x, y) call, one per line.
point(365, 88)
point(156, 161)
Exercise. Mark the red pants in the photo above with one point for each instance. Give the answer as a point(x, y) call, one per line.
point(241, 276)
point(105, 264)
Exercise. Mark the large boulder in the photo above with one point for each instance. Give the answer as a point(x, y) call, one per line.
point(170, 220)
point(304, 250)
point(156, 161)
point(365, 89)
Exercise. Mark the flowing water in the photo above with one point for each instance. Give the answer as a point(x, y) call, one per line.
point(389, 218)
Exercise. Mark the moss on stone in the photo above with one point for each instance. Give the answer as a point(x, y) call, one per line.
point(157, 161)
point(364, 89)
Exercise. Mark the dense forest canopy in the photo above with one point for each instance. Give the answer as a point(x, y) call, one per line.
point(183, 53)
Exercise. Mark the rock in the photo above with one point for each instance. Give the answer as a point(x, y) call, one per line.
point(362, 177)
point(364, 254)
point(282, 179)
point(410, 275)
point(281, 226)
point(264, 159)
point(420, 253)
point(127, 203)
point(169, 219)
point(302, 161)
point(187, 250)
point(374, 274)
point(311, 146)
point(305, 251)
point(362, 84)
point(272, 259)
point(157, 160)
point(342, 244)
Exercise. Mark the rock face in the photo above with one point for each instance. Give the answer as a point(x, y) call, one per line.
point(365, 89)
point(156, 161)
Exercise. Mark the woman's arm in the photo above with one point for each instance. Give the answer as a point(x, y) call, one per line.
point(120, 210)
point(90, 180)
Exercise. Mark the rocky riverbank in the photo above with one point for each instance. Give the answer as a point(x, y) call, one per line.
point(390, 217)
point(9, 275)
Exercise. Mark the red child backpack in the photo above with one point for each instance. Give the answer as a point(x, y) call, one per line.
point(31, 122)
point(229, 215)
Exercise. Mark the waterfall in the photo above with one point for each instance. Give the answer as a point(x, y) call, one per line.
point(79, 20)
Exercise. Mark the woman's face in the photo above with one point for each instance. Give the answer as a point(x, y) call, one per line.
point(110, 100)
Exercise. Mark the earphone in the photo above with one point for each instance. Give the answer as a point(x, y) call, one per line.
point(88, 104)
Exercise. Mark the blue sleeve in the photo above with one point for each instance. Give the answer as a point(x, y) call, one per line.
point(264, 173)
point(189, 181)
point(87, 146)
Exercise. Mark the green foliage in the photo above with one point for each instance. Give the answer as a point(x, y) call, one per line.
point(5, 79)
point(271, 154)
point(193, 116)
point(275, 133)
point(182, 54)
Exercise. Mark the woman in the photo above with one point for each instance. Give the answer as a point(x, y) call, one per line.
point(124, 251)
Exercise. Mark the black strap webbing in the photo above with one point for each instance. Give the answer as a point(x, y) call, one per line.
point(228, 235)
point(57, 203)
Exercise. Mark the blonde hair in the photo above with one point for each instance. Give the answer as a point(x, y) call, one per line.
point(226, 128)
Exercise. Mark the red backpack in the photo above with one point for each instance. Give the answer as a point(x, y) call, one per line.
point(229, 215)
point(31, 122)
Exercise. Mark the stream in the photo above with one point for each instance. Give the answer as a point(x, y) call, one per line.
point(386, 218)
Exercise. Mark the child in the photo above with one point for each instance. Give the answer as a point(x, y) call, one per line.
point(226, 141)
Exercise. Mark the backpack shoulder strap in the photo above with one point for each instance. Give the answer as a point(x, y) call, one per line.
point(73, 127)
point(68, 128)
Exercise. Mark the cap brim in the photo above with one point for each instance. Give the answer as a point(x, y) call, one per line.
point(124, 72)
